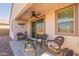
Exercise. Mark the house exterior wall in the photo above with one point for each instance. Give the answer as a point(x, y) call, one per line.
point(18, 28)
point(14, 27)
point(29, 29)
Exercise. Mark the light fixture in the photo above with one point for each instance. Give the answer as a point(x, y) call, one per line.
point(22, 24)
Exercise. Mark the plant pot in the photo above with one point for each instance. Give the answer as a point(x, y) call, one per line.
point(29, 45)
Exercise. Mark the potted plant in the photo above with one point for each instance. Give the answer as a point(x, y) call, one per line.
point(29, 42)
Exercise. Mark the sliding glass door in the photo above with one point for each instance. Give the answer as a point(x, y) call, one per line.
point(33, 29)
point(38, 27)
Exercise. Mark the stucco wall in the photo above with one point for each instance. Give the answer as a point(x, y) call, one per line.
point(17, 8)
point(29, 28)
point(71, 42)
point(18, 28)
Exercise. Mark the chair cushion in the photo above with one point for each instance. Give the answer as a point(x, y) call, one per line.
point(39, 40)
point(53, 45)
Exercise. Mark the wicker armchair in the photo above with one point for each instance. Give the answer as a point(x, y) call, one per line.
point(55, 45)
point(41, 39)
point(20, 36)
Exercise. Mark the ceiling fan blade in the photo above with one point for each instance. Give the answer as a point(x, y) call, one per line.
point(34, 14)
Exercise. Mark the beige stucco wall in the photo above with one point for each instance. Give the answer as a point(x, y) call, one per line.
point(71, 42)
point(17, 8)
point(18, 28)
point(29, 28)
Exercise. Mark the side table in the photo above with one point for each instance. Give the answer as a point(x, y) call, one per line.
point(30, 51)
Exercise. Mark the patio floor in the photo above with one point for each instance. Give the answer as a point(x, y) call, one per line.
point(5, 49)
point(18, 48)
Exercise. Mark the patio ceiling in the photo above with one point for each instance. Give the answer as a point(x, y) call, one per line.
point(39, 8)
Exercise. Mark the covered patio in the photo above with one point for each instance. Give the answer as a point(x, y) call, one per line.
point(45, 18)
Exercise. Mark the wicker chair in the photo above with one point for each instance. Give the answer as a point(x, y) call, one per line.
point(20, 36)
point(41, 39)
point(55, 45)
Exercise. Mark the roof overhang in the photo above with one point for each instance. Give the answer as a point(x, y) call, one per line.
point(41, 8)
point(18, 17)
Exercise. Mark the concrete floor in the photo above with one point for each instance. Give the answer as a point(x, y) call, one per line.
point(18, 49)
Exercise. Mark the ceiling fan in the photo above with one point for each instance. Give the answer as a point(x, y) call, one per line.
point(34, 14)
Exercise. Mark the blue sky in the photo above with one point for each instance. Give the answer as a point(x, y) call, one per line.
point(5, 9)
